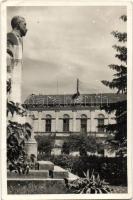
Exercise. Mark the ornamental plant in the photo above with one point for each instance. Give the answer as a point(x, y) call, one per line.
point(88, 185)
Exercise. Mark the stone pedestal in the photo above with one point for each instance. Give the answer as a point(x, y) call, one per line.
point(16, 75)
point(31, 147)
point(31, 144)
point(45, 165)
point(60, 173)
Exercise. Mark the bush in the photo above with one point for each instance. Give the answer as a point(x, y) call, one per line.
point(113, 170)
point(17, 134)
point(80, 143)
point(66, 148)
point(45, 144)
point(64, 161)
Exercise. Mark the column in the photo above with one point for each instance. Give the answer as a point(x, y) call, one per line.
point(88, 125)
point(56, 120)
point(93, 123)
point(74, 121)
point(16, 82)
point(31, 144)
point(39, 121)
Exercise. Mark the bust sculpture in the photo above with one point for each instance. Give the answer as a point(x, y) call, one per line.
point(14, 56)
point(14, 38)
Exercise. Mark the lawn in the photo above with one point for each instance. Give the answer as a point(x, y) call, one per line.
point(46, 187)
point(119, 189)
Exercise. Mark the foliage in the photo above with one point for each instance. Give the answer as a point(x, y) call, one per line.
point(66, 148)
point(45, 144)
point(15, 108)
point(8, 87)
point(32, 158)
point(88, 185)
point(119, 82)
point(64, 161)
point(17, 134)
point(81, 143)
point(113, 170)
point(38, 187)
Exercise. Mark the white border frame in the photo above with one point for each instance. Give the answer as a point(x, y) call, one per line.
point(4, 5)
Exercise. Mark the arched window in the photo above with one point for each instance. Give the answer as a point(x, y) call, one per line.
point(101, 123)
point(83, 123)
point(48, 123)
point(66, 123)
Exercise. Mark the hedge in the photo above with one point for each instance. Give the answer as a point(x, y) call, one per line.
point(113, 170)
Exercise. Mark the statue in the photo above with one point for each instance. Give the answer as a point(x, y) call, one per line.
point(14, 56)
point(14, 76)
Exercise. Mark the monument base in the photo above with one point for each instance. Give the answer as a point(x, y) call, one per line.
point(31, 147)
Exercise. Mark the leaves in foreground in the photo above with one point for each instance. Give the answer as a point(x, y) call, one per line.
point(88, 185)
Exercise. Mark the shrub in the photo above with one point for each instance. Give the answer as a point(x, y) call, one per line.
point(64, 161)
point(113, 170)
point(88, 185)
point(45, 144)
point(66, 148)
point(81, 143)
point(17, 134)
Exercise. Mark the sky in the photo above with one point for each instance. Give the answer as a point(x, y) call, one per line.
point(64, 43)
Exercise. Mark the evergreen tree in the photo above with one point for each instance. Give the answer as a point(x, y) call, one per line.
point(119, 82)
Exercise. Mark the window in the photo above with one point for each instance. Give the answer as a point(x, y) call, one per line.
point(83, 123)
point(100, 123)
point(48, 123)
point(66, 123)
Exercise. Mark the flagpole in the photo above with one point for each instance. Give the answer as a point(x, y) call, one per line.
point(77, 85)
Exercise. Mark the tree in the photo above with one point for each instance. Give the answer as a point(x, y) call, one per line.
point(45, 144)
point(119, 82)
point(66, 148)
point(80, 143)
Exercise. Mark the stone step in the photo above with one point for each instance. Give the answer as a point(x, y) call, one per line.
point(45, 165)
point(60, 173)
point(32, 174)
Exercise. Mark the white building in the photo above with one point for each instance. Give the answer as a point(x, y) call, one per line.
point(62, 115)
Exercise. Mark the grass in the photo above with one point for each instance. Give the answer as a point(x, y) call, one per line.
point(119, 189)
point(46, 187)
point(36, 187)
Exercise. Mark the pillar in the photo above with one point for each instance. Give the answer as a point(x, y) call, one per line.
point(31, 144)
point(16, 82)
point(88, 125)
point(39, 121)
point(74, 121)
point(56, 120)
point(93, 121)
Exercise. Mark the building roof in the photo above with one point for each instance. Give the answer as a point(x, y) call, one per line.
point(68, 100)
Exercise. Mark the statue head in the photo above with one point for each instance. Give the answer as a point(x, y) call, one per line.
point(18, 23)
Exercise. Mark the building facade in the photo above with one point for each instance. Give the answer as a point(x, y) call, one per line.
point(62, 115)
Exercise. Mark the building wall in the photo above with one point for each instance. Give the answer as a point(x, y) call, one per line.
point(74, 125)
point(74, 121)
